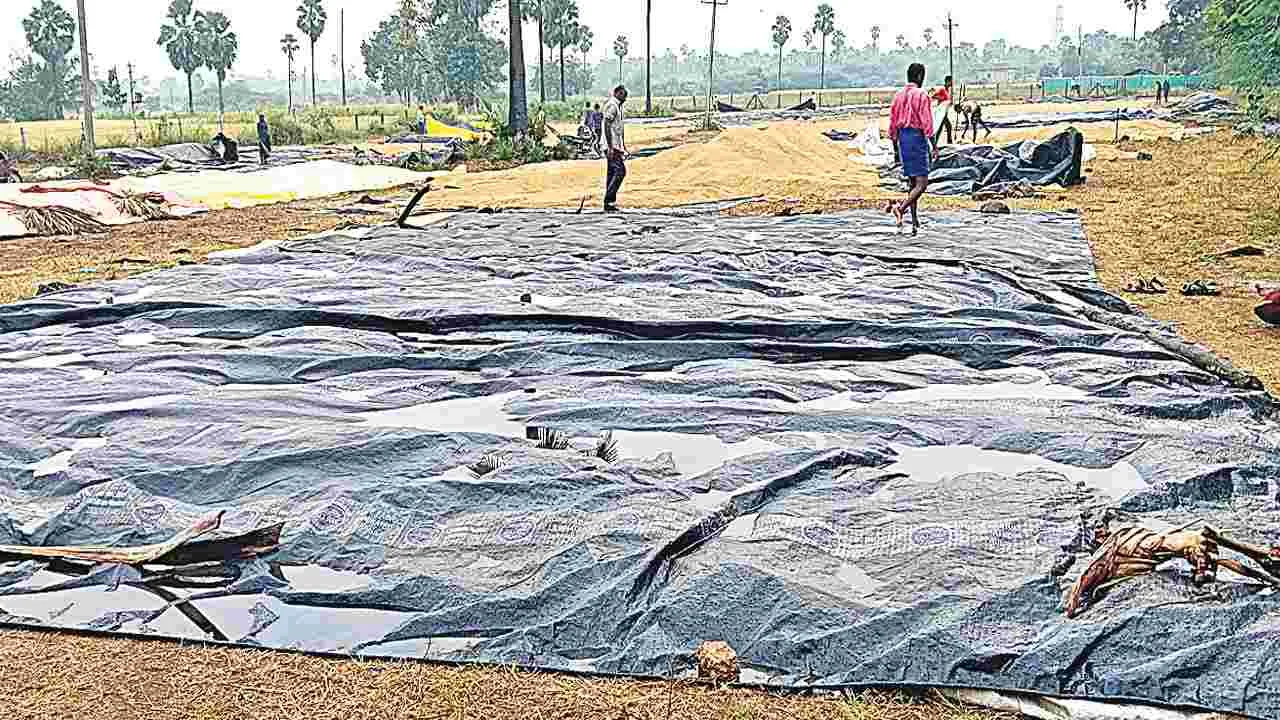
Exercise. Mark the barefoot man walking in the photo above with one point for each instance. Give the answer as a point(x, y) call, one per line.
point(911, 126)
point(615, 147)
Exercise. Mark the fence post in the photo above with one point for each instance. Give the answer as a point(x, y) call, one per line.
point(357, 118)
point(22, 132)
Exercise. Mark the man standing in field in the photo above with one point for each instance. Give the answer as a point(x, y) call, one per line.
point(942, 96)
point(422, 120)
point(615, 147)
point(911, 126)
point(264, 139)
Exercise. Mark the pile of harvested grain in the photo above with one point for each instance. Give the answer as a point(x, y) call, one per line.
point(66, 676)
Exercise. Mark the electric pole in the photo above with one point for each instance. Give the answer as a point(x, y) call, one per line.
point(133, 112)
point(711, 65)
point(86, 85)
point(951, 48)
point(342, 58)
point(1080, 54)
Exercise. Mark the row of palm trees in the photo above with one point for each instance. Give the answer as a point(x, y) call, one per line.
point(196, 38)
point(540, 12)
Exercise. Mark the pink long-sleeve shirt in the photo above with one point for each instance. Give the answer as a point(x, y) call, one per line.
point(911, 109)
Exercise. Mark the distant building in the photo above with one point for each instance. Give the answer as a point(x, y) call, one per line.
point(995, 74)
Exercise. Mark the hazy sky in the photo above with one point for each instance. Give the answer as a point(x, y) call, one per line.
point(123, 31)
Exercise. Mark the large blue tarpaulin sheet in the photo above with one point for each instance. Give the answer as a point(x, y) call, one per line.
point(589, 443)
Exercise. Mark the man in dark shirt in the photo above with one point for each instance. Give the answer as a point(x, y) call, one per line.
point(264, 139)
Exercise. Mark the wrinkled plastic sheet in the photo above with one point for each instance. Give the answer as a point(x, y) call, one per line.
point(1026, 120)
point(1202, 106)
point(966, 169)
point(854, 456)
point(194, 158)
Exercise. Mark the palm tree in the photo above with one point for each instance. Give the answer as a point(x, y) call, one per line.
point(311, 20)
point(561, 18)
point(289, 46)
point(875, 38)
point(586, 38)
point(534, 12)
point(218, 48)
point(838, 41)
point(518, 113)
point(50, 32)
point(1135, 6)
point(180, 40)
point(620, 47)
point(648, 56)
point(824, 23)
point(781, 34)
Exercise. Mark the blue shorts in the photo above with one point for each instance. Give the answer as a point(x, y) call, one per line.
point(914, 147)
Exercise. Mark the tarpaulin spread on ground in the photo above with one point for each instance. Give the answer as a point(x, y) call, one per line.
point(966, 169)
point(589, 443)
point(194, 157)
point(1201, 106)
point(64, 207)
point(215, 189)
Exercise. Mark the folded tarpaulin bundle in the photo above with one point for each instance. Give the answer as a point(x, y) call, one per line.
point(727, 108)
point(967, 169)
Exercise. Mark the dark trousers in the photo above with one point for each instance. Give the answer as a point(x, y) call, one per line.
point(613, 183)
point(944, 125)
point(264, 152)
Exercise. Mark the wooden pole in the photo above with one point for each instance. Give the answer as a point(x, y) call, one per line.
point(342, 58)
point(86, 86)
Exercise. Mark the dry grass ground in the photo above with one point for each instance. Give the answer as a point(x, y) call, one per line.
point(63, 676)
point(1165, 217)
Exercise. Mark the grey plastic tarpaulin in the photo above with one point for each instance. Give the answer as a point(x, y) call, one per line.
point(855, 456)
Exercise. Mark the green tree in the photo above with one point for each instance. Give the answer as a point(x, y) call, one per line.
point(875, 38)
point(21, 95)
point(928, 38)
point(824, 23)
point(621, 45)
point(50, 32)
point(561, 30)
point(518, 104)
point(1135, 6)
point(218, 48)
point(781, 34)
point(311, 21)
point(1181, 39)
point(586, 39)
point(388, 58)
point(182, 43)
point(838, 43)
point(289, 46)
point(113, 95)
point(1245, 38)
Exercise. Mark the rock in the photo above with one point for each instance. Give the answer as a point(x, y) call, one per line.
point(994, 207)
point(717, 662)
point(526, 298)
point(1145, 156)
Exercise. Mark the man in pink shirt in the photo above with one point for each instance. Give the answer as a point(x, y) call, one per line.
point(911, 127)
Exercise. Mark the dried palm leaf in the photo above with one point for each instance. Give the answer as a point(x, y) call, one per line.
point(549, 439)
point(490, 463)
point(606, 448)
